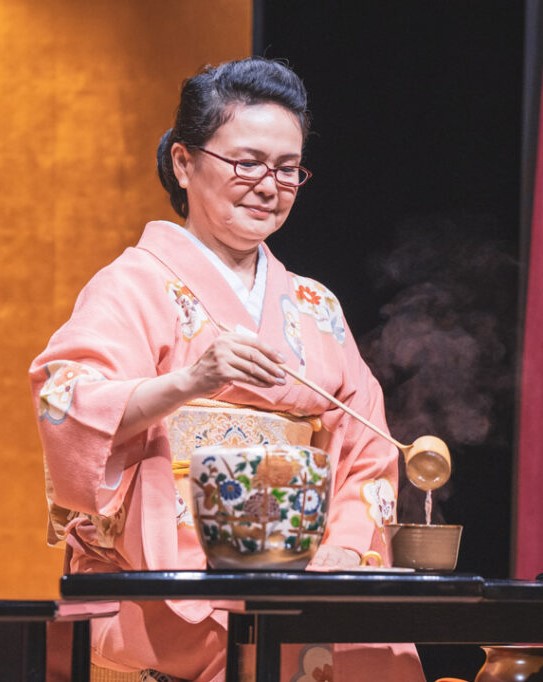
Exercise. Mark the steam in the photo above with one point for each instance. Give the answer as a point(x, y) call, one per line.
point(444, 352)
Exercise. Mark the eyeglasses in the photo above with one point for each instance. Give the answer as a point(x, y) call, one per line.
point(249, 169)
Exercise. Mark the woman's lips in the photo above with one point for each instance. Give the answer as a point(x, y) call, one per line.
point(262, 211)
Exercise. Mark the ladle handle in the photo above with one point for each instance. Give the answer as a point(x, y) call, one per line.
point(335, 401)
point(341, 405)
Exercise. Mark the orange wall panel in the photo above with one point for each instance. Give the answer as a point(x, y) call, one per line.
point(87, 91)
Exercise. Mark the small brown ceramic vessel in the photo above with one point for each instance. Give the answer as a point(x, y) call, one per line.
point(424, 546)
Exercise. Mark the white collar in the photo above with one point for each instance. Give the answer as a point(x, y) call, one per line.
point(253, 300)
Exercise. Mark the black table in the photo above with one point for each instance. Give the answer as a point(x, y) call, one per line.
point(307, 607)
point(23, 632)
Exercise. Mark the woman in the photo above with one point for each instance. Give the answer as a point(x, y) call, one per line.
point(146, 338)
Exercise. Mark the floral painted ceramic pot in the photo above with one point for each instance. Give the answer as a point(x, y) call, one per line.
point(261, 507)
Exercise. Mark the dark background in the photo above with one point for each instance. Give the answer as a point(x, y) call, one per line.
point(412, 219)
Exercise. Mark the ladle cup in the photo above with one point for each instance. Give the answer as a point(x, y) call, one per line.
point(427, 460)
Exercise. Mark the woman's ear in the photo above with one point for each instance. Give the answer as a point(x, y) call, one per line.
point(182, 162)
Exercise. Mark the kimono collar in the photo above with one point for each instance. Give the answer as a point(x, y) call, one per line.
point(186, 261)
point(252, 299)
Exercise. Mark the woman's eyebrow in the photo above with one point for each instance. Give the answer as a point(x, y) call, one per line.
point(296, 156)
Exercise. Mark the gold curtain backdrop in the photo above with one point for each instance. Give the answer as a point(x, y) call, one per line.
point(87, 90)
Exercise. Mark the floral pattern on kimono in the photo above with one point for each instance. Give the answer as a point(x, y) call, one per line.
point(57, 392)
point(191, 313)
point(292, 330)
point(59, 519)
point(182, 512)
point(380, 498)
point(108, 527)
point(316, 664)
point(316, 300)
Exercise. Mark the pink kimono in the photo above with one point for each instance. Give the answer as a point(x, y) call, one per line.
point(155, 309)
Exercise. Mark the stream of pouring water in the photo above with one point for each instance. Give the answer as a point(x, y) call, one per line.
point(428, 507)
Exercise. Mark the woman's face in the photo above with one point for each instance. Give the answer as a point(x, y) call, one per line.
point(225, 210)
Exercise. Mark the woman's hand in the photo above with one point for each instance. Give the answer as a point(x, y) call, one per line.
point(230, 357)
point(235, 357)
point(330, 557)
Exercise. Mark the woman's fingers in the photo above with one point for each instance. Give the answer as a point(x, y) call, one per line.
point(250, 341)
point(258, 362)
point(237, 357)
point(332, 557)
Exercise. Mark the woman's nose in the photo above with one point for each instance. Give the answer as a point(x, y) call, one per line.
point(267, 184)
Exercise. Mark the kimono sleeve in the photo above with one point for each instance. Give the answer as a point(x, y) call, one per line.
point(82, 382)
point(366, 481)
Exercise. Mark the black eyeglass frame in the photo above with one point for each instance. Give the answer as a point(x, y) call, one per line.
point(235, 163)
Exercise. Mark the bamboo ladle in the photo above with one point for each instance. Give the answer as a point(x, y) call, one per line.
point(427, 460)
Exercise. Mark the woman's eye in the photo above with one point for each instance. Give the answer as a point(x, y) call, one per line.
point(248, 164)
point(288, 170)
